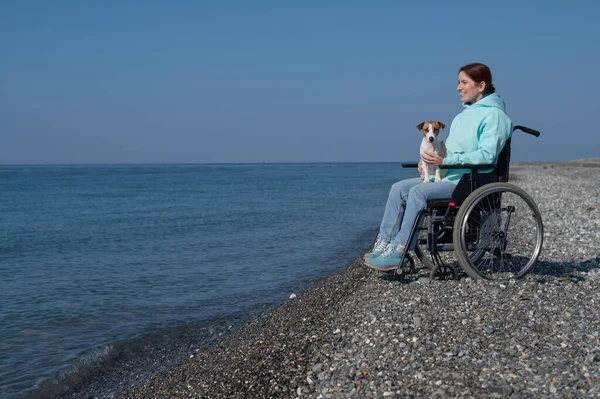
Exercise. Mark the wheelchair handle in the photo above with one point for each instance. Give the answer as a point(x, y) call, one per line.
point(527, 130)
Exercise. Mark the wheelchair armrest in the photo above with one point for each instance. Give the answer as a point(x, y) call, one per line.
point(472, 167)
point(474, 172)
point(410, 164)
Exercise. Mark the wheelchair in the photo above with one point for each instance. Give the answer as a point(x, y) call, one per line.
point(493, 227)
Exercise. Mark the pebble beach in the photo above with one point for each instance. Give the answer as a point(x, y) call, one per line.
point(358, 334)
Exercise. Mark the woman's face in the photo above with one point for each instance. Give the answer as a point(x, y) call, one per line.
point(469, 91)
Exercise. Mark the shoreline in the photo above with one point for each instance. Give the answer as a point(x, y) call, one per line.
point(355, 334)
point(270, 351)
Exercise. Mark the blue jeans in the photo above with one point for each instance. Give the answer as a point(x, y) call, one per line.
point(407, 198)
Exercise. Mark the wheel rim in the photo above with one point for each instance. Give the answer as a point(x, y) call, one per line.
point(501, 233)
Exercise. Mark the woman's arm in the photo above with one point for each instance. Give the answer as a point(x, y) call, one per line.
point(496, 129)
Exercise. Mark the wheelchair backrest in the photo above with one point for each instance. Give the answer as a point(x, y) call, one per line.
point(498, 174)
point(503, 163)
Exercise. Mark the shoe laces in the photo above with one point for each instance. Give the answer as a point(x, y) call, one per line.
point(391, 249)
point(380, 244)
point(388, 251)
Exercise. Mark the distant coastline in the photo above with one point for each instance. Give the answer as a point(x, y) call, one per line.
point(584, 162)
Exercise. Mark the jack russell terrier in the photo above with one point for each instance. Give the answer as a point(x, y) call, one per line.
point(431, 143)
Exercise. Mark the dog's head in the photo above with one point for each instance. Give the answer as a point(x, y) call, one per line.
point(430, 129)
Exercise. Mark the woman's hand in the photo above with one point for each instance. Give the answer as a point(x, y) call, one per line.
point(432, 158)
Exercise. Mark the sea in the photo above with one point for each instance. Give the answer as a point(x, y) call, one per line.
point(111, 272)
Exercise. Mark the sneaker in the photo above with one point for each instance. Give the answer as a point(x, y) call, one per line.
point(389, 258)
point(378, 248)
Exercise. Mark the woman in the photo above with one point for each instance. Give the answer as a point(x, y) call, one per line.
point(477, 135)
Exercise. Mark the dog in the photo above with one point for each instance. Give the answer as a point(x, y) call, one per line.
point(431, 143)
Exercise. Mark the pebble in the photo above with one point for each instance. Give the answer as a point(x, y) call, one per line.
point(528, 338)
point(489, 329)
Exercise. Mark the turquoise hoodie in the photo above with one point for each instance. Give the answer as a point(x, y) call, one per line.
point(477, 135)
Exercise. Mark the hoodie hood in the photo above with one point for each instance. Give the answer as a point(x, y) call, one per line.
point(491, 100)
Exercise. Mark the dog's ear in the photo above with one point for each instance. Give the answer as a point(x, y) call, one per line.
point(420, 125)
point(441, 125)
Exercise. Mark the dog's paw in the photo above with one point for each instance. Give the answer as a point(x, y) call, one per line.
point(426, 181)
point(437, 180)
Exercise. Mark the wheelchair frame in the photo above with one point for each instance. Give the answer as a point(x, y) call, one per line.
point(442, 216)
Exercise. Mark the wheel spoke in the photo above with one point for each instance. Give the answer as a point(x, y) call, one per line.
point(507, 228)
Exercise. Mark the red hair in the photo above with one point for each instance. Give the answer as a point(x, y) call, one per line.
point(480, 73)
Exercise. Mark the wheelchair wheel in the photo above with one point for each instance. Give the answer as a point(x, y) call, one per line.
point(498, 232)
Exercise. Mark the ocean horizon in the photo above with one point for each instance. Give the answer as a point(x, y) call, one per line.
point(117, 164)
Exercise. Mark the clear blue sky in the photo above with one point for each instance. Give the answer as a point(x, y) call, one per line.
point(285, 81)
